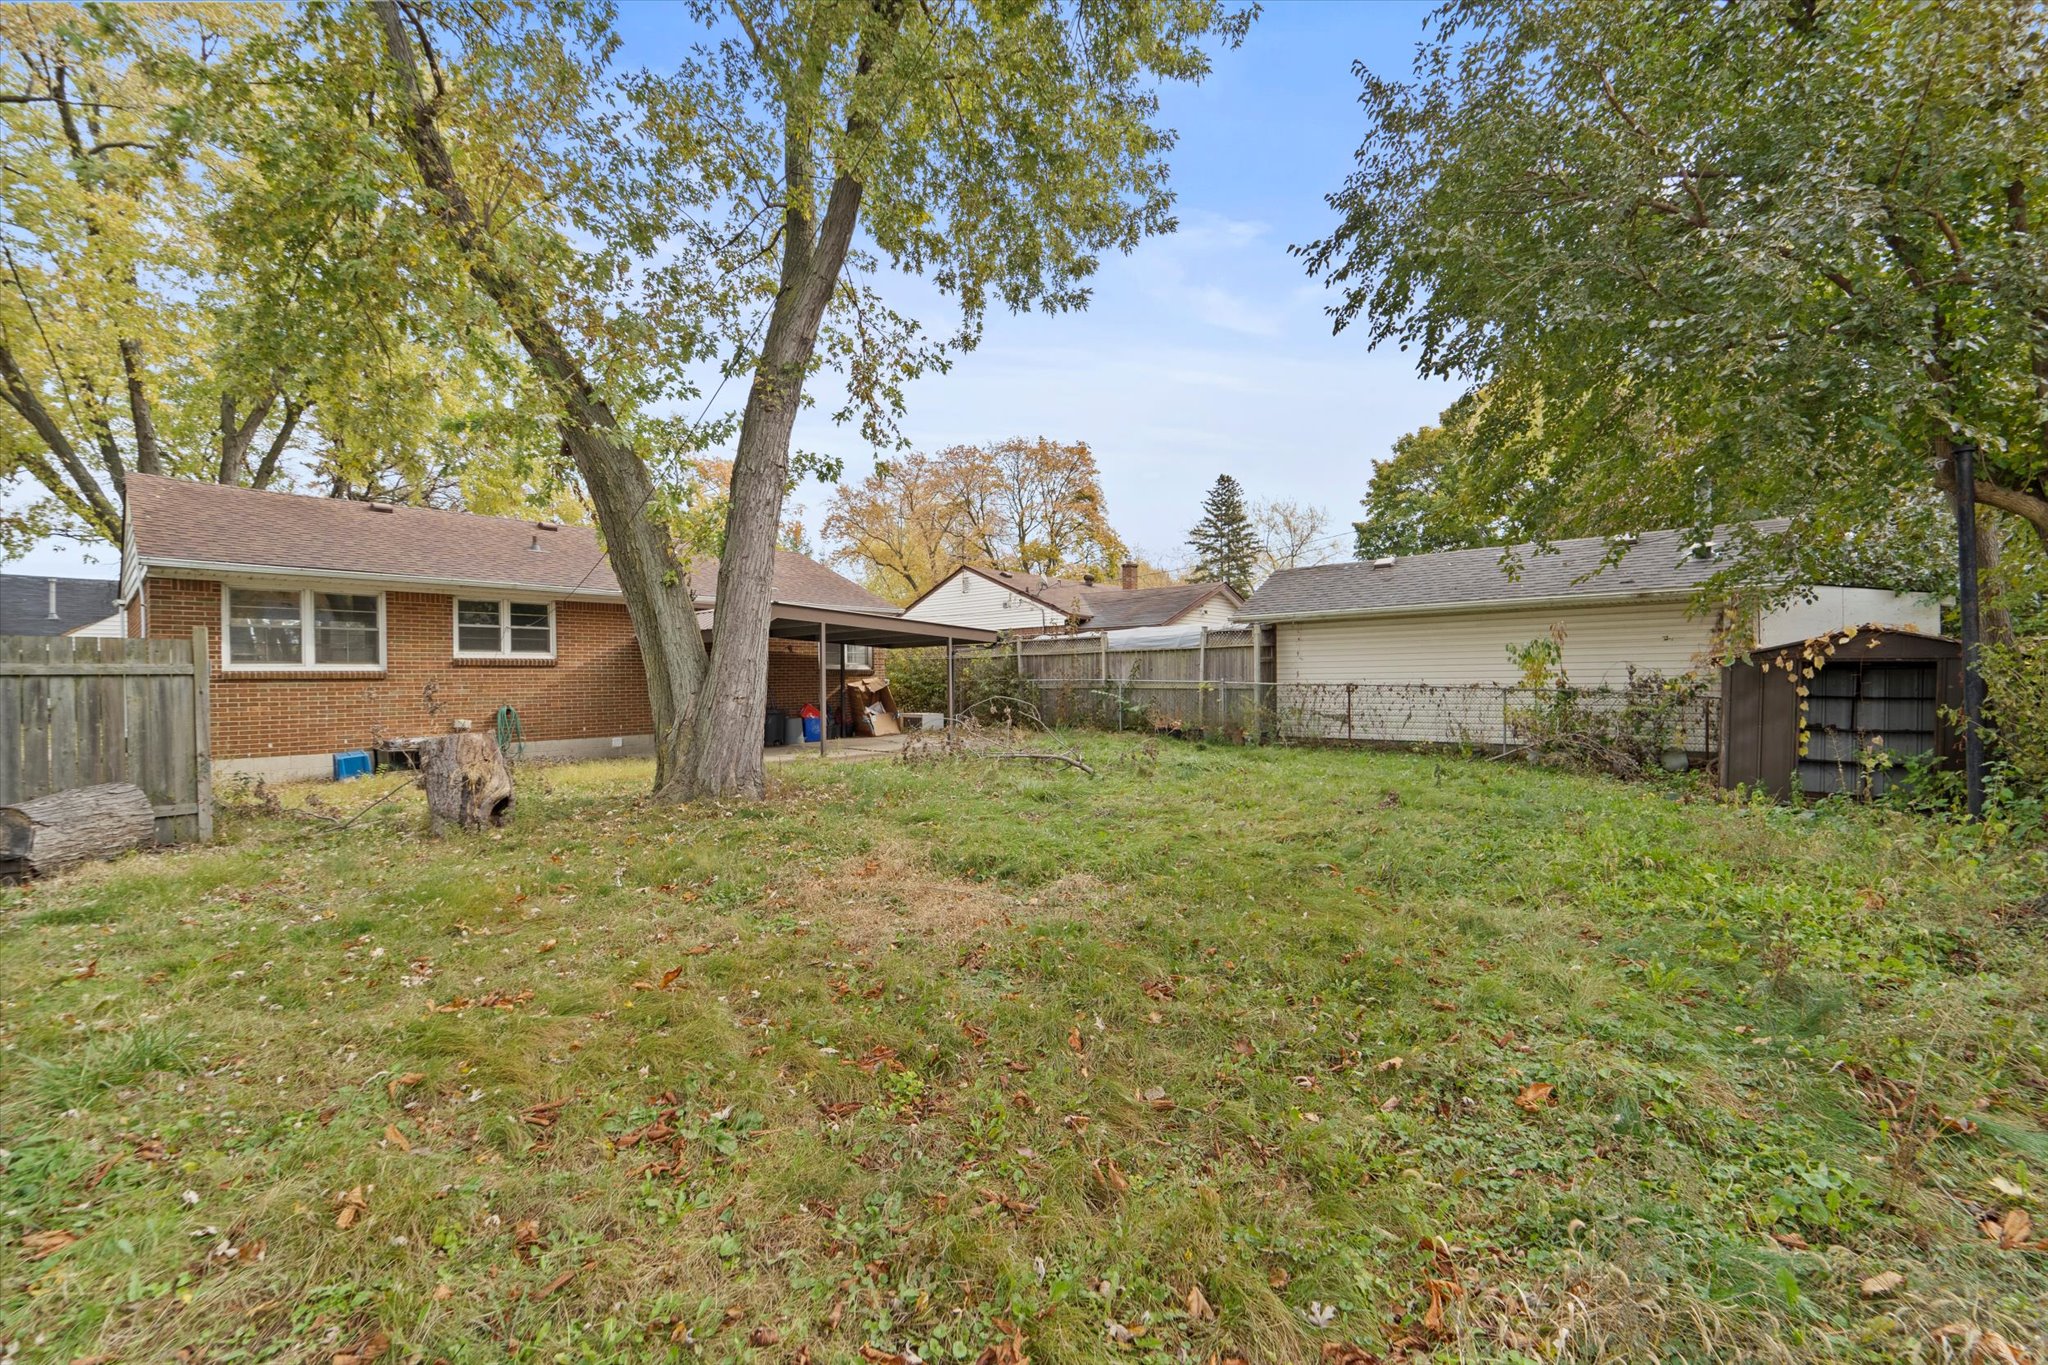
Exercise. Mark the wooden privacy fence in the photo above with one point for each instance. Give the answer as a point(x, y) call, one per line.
point(1096, 680)
point(75, 712)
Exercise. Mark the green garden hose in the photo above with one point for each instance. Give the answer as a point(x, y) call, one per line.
point(511, 738)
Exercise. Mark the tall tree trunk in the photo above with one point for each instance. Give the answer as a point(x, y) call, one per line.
point(726, 757)
point(655, 582)
point(1993, 611)
point(148, 459)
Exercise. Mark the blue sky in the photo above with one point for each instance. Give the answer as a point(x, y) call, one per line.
point(1208, 351)
point(1204, 352)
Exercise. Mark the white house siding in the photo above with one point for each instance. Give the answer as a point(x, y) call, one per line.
point(971, 600)
point(1834, 608)
point(1217, 611)
point(1435, 677)
point(108, 628)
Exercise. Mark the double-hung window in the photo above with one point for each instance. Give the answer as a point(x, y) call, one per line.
point(302, 628)
point(860, 656)
point(488, 628)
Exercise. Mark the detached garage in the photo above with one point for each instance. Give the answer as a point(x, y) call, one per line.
point(1417, 649)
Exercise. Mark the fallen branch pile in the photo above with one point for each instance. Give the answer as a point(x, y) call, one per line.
point(1006, 741)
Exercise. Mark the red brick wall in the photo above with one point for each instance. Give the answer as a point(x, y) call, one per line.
point(594, 687)
point(793, 674)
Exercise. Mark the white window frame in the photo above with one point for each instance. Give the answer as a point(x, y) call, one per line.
point(229, 664)
point(504, 649)
point(866, 665)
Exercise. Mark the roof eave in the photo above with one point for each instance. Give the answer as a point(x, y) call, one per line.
point(210, 566)
point(1474, 604)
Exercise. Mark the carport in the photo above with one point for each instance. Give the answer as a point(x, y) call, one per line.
point(837, 626)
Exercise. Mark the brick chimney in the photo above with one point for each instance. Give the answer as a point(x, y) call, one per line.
point(1130, 574)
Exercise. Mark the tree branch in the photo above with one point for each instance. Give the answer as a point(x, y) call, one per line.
point(266, 469)
point(20, 395)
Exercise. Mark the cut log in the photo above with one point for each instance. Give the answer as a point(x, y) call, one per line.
point(466, 780)
point(64, 828)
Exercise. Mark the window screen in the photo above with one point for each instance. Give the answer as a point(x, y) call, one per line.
point(344, 628)
point(528, 628)
point(476, 627)
point(264, 627)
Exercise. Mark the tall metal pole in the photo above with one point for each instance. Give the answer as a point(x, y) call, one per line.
point(1973, 676)
point(824, 694)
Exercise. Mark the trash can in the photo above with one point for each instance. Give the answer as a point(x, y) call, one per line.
point(776, 731)
point(813, 724)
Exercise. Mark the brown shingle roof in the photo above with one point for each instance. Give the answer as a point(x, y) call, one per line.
point(183, 523)
point(1653, 564)
point(1126, 609)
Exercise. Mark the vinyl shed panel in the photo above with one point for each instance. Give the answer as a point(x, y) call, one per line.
point(1462, 648)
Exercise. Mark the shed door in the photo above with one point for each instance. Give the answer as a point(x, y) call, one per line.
point(1863, 721)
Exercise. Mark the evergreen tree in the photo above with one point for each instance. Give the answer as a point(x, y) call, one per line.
point(1226, 545)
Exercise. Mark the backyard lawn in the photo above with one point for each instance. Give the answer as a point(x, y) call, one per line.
point(1220, 1054)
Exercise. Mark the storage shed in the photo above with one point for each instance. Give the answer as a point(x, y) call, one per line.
point(1876, 697)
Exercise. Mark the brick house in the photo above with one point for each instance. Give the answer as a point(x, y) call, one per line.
point(335, 624)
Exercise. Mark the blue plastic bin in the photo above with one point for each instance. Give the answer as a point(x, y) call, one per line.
point(351, 763)
point(812, 728)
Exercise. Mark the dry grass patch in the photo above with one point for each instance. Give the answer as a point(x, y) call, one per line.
point(872, 900)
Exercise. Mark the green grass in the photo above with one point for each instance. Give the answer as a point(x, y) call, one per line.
point(949, 1048)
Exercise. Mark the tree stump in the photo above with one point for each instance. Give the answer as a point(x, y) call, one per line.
point(466, 781)
point(53, 832)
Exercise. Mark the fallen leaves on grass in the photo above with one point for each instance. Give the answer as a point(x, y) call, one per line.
point(1074, 1038)
point(1009, 1351)
point(1156, 1097)
point(875, 1355)
point(996, 1200)
point(1535, 1095)
point(363, 1352)
point(405, 1082)
point(352, 1205)
point(36, 1245)
point(556, 1283)
point(525, 1237)
point(1344, 1353)
point(1881, 1284)
point(396, 1138)
point(1199, 1309)
point(763, 1336)
point(1982, 1347)
point(1110, 1175)
point(543, 1115)
point(2012, 1232)
point(489, 1000)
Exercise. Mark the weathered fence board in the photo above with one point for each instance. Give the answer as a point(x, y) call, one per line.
point(82, 711)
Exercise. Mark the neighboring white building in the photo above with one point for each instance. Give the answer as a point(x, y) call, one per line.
point(1379, 634)
point(1022, 604)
